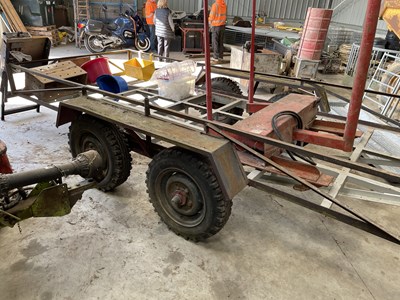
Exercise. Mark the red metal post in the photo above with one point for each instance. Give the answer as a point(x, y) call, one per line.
point(207, 61)
point(253, 40)
point(367, 42)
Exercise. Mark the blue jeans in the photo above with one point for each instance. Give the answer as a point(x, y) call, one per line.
point(152, 38)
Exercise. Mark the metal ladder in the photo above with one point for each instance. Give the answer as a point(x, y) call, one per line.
point(386, 104)
point(81, 11)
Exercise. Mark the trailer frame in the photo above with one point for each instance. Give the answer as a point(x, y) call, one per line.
point(158, 131)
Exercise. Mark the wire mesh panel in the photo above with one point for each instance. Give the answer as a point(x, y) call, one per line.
point(377, 54)
point(340, 35)
point(386, 79)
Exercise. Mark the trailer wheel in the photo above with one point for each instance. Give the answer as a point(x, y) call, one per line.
point(223, 84)
point(186, 194)
point(86, 133)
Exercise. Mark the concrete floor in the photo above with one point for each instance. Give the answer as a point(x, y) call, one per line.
point(114, 246)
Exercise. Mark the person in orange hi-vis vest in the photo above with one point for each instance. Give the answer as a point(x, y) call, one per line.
point(151, 6)
point(217, 20)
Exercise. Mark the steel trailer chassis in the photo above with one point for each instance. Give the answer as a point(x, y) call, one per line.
point(194, 173)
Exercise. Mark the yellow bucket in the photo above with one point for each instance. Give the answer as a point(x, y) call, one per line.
point(141, 69)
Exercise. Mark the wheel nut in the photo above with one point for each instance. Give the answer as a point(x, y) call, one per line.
point(176, 200)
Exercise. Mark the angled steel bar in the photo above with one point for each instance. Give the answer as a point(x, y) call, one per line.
point(322, 210)
point(307, 184)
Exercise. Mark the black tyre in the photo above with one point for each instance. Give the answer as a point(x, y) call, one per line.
point(92, 44)
point(223, 84)
point(186, 194)
point(142, 45)
point(86, 133)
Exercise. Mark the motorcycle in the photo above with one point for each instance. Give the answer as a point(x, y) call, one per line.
point(127, 30)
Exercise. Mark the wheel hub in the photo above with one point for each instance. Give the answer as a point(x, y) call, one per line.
point(97, 43)
point(184, 196)
point(90, 143)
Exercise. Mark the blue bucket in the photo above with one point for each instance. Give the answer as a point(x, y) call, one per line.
point(113, 84)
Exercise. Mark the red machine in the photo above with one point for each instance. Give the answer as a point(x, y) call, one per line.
point(5, 167)
point(345, 140)
point(263, 120)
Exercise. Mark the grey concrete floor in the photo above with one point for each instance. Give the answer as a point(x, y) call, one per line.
point(114, 246)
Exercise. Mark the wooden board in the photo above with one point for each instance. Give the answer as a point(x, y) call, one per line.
point(64, 70)
point(41, 28)
point(12, 16)
point(43, 33)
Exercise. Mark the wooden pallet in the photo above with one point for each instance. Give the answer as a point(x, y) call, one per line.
point(49, 31)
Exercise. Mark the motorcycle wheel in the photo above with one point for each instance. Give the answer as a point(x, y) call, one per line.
point(90, 44)
point(142, 45)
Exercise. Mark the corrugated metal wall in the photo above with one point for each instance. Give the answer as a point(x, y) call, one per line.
point(190, 6)
point(277, 9)
point(352, 12)
point(274, 9)
point(114, 8)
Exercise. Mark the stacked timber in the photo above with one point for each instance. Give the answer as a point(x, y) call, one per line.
point(48, 31)
point(14, 23)
point(344, 53)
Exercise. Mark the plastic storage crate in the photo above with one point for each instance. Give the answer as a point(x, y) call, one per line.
point(177, 89)
point(176, 81)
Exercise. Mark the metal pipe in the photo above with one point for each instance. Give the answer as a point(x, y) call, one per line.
point(207, 62)
point(367, 42)
point(17, 180)
point(252, 54)
point(338, 216)
point(86, 164)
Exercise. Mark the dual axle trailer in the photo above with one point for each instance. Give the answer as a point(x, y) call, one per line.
point(199, 165)
point(208, 147)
